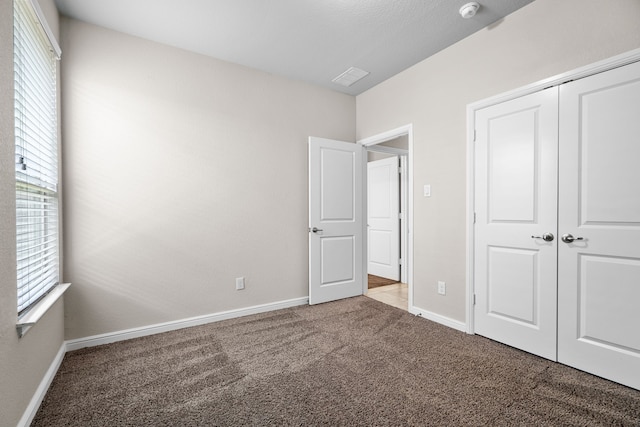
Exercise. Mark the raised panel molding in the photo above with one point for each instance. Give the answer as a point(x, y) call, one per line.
point(337, 253)
point(512, 189)
point(510, 293)
point(604, 201)
point(603, 279)
point(337, 172)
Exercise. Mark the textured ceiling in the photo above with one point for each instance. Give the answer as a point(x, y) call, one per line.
point(309, 40)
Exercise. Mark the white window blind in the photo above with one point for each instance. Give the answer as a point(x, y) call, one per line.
point(36, 137)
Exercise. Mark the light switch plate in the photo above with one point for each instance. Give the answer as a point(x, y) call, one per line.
point(427, 190)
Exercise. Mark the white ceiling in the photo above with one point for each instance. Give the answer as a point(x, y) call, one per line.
point(308, 40)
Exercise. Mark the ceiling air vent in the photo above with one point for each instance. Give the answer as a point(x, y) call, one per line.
point(350, 76)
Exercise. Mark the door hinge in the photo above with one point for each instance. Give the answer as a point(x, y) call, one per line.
point(474, 217)
point(400, 170)
point(474, 299)
point(474, 135)
point(400, 215)
point(400, 261)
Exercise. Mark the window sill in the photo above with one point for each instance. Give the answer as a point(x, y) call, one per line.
point(31, 318)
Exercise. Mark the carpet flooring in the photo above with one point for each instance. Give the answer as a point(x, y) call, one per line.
point(355, 362)
point(377, 281)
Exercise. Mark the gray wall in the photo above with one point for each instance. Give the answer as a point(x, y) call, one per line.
point(182, 172)
point(372, 156)
point(24, 361)
point(545, 38)
point(399, 142)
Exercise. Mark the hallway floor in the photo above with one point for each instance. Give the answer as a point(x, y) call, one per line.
point(395, 295)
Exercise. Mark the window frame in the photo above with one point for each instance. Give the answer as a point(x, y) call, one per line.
point(36, 52)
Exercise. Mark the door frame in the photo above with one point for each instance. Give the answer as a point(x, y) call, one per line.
point(406, 230)
point(578, 73)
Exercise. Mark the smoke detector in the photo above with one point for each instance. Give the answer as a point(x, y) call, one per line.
point(469, 10)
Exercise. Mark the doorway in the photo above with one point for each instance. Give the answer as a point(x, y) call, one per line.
point(387, 218)
point(337, 217)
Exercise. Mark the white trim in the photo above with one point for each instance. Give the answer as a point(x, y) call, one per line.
point(387, 150)
point(443, 320)
point(388, 135)
point(364, 268)
point(26, 321)
point(404, 226)
point(578, 73)
point(31, 410)
point(42, 20)
point(470, 242)
point(180, 324)
point(378, 139)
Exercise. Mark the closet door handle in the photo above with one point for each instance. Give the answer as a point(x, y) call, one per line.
point(315, 230)
point(568, 238)
point(547, 237)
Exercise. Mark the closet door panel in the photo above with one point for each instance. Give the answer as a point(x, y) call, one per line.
point(599, 206)
point(515, 201)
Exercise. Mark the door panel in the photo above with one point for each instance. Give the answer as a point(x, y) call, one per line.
point(383, 208)
point(610, 128)
point(511, 283)
point(335, 211)
point(599, 276)
point(337, 181)
point(516, 199)
point(598, 293)
point(512, 167)
point(337, 260)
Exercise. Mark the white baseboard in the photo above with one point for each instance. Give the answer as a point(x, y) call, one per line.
point(443, 320)
point(30, 413)
point(126, 334)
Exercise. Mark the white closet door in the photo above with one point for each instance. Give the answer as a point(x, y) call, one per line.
point(515, 199)
point(599, 275)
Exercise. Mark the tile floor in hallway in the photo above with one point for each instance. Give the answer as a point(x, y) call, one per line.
point(395, 295)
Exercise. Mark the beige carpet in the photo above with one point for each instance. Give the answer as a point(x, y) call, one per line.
point(355, 362)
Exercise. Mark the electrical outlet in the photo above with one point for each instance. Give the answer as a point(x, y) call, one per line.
point(442, 288)
point(239, 283)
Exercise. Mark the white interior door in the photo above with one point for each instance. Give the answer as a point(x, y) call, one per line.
point(599, 275)
point(515, 206)
point(335, 220)
point(383, 211)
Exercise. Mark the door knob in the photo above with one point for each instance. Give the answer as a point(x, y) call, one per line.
point(315, 229)
point(568, 238)
point(547, 237)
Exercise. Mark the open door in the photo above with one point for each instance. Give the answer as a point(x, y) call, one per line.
point(335, 220)
point(383, 213)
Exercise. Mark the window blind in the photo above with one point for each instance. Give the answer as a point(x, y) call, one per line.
point(36, 143)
